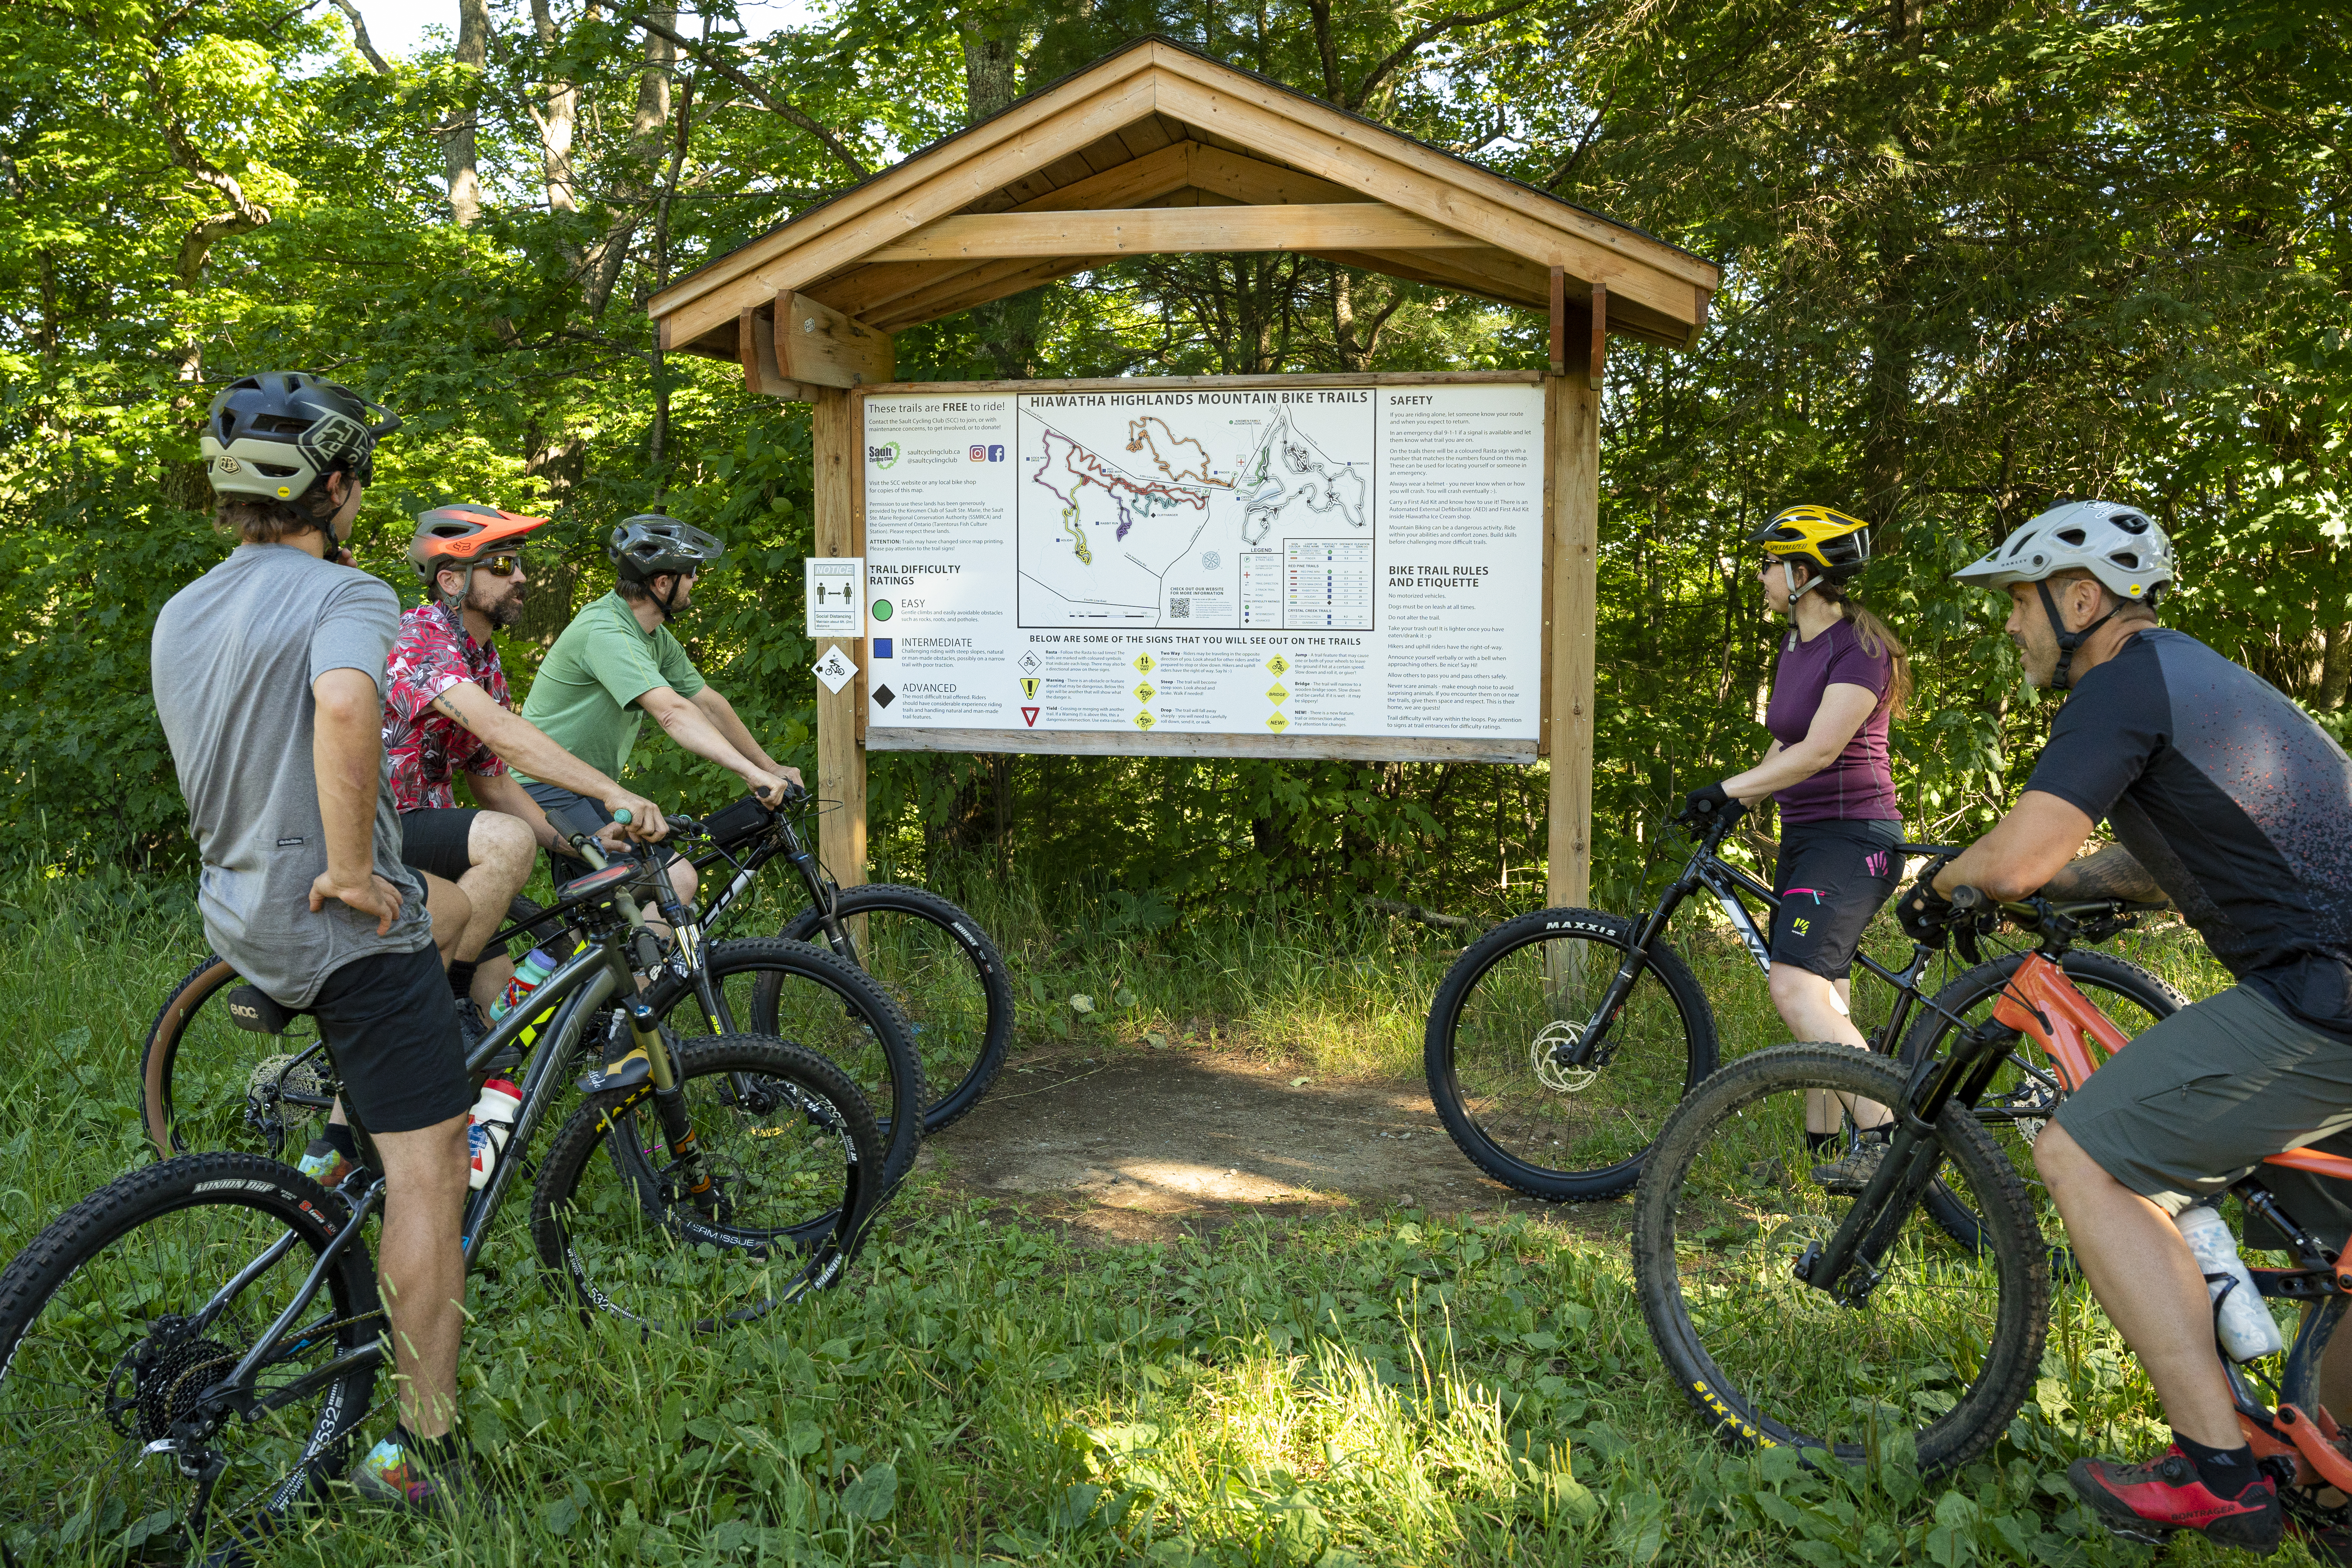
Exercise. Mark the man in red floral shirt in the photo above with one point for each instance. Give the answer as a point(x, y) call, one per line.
point(447, 710)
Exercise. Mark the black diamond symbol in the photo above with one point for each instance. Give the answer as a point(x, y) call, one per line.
point(884, 696)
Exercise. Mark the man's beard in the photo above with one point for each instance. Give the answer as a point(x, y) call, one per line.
point(505, 610)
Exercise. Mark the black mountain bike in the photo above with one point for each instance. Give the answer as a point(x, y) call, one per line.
point(1560, 1041)
point(187, 1355)
point(201, 1072)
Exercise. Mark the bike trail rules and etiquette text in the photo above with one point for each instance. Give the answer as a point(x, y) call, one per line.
point(1328, 561)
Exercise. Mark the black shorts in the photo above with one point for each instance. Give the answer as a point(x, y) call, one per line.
point(1831, 878)
point(553, 798)
point(392, 1027)
point(439, 841)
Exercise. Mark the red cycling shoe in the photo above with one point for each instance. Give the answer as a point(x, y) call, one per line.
point(2147, 1502)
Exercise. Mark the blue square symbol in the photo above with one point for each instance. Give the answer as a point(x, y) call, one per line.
point(881, 647)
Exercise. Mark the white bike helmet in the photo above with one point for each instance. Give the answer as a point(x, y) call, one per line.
point(2119, 545)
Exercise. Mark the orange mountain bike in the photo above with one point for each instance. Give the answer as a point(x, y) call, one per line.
point(1867, 1327)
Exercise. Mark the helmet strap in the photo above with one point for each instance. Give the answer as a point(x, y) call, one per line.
point(2067, 641)
point(454, 602)
point(668, 601)
point(1789, 575)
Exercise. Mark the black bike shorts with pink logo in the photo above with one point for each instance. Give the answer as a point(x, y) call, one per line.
point(1831, 878)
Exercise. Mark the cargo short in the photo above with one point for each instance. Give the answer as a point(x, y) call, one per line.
point(2198, 1100)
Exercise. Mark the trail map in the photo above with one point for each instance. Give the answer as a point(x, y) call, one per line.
point(1140, 510)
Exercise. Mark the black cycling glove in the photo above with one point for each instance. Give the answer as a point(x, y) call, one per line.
point(1705, 800)
point(1923, 913)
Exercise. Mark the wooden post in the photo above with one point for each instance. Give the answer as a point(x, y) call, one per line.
point(1572, 457)
point(840, 758)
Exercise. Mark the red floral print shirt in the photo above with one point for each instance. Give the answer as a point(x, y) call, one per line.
point(433, 653)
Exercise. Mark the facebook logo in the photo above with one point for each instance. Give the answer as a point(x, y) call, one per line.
point(881, 647)
point(996, 454)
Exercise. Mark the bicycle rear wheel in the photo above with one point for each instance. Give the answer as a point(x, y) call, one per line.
point(788, 1144)
point(2025, 1092)
point(204, 1083)
point(936, 962)
point(1938, 1356)
point(102, 1356)
point(806, 996)
point(1520, 991)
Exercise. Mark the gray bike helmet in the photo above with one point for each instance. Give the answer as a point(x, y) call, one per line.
point(2119, 545)
point(276, 434)
point(650, 545)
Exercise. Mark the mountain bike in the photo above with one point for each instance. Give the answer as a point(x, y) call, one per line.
point(201, 1083)
point(188, 1354)
point(1559, 1042)
point(1862, 1328)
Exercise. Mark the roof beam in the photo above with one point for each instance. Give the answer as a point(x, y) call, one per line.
point(1341, 225)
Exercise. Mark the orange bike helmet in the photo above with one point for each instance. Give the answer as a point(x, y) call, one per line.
point(457, 538)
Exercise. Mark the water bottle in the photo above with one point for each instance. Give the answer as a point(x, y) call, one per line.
point(534, 968)
point(2243, 1324)
point(487, 1128)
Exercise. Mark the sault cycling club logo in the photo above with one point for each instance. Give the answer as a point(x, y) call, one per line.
point(884, 455)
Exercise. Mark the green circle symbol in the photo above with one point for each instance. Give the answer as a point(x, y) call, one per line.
point(881, 609)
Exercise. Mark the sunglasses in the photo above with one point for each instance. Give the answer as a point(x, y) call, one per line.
point(504, 566)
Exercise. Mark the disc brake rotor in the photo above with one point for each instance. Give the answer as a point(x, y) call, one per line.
point(1557, 1039)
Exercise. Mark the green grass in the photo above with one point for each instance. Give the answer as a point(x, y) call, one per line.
point(1392, 1388)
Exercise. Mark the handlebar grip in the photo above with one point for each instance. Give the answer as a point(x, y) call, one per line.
point(794, 794)
point(622, 816)
point(1966, 898)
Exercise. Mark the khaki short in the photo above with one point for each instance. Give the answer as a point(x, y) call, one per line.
point(2197, 1101)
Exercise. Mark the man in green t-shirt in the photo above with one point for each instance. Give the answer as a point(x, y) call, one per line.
point(617, 662)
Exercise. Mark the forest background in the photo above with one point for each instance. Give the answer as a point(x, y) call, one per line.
point(1979, 257)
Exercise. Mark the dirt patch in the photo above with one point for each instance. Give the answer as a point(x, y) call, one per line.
point(1135, 1145)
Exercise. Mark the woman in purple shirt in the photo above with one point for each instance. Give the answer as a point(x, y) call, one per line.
point(1842, 677)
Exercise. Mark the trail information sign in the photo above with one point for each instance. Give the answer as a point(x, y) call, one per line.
point(1252, 568)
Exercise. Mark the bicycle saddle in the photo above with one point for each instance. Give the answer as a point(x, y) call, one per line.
point(250, 1007)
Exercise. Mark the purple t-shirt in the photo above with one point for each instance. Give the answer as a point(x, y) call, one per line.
point(1859, 785)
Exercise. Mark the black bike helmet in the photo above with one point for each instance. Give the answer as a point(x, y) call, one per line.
point(276, 434)
point(649, 544)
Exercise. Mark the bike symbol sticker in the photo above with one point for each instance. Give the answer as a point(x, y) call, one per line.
point(1277, 665)
point(836, 671)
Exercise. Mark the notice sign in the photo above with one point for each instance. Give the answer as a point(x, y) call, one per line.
point(836, 607)
point(1250, 568)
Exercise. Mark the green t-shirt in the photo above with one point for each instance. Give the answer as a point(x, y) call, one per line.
point(585, 694)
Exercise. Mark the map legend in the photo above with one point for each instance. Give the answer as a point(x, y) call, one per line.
point(1329, 584)
point(1262, 589)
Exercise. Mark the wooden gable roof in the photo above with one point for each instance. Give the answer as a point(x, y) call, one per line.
point(1156, 149)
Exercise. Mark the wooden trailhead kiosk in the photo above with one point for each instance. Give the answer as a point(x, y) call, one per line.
point(1293, 619)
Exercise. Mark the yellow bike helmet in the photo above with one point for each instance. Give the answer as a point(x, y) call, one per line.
point(1837, 545)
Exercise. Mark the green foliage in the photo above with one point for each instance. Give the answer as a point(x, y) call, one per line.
point(1979, 257)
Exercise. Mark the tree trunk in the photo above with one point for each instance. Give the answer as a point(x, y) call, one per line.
point(992, 56)
point(457, 137)
point(557, 118)
point(2334, 669)
point(645, 138)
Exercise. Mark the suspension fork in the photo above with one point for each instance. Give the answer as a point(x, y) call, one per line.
point(1589, 1043)
point(670, 1100)
point(821, 895)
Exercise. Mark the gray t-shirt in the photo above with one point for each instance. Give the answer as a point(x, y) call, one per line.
point(234, 657)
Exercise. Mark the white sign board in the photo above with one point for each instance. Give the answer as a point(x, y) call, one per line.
point(1286, 567)
point(837, 605)
point(836, 671)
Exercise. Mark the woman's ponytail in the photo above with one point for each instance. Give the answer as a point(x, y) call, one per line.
point(1877, 642)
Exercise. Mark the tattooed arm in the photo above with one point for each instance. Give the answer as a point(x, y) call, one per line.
point(2111, 873)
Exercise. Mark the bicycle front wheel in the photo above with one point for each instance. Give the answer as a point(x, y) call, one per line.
point(1938, 1356)
point(807, 997)
point(117, 1447)
point(936, 962)
point(767, 1207)
point(2025, 1092)
point(1511, 1004)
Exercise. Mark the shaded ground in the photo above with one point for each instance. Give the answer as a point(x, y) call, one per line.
point(1130, 1145)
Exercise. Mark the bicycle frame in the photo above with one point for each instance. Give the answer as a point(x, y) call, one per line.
point(2041, 1004)
point(1707, 869)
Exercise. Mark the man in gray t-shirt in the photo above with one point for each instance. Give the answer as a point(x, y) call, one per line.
point(269, 675)
point(237, 655)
